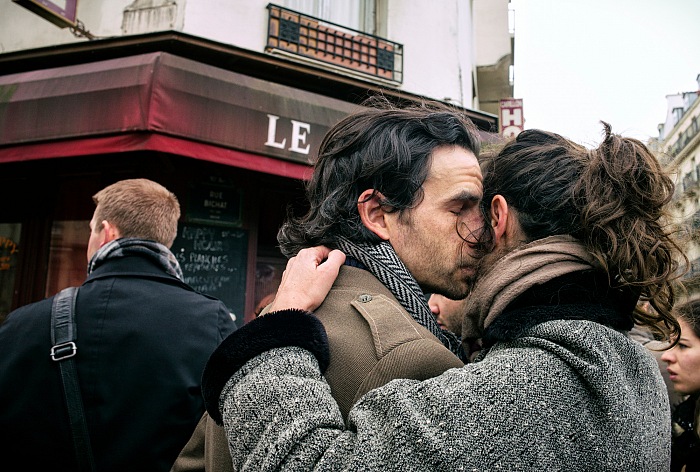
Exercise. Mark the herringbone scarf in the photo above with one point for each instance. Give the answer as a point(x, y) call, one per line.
point(132, 246)
point(382, 262)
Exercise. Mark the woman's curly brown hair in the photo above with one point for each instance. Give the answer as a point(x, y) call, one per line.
point(614, 199)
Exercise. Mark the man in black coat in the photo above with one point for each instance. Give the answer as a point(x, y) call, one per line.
point(144, 337)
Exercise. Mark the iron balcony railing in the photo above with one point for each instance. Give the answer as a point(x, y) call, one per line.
point(685, 138)
point(330, 43)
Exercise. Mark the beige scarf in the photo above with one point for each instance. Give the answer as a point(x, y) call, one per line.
point(532, 264)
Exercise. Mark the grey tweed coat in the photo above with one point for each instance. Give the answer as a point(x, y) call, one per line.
point(560, 386)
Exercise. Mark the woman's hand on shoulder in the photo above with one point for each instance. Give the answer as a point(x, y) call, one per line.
point(307, 279)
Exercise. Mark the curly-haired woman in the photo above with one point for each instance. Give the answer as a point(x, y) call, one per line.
point(684, 371)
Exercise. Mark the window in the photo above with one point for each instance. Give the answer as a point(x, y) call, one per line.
point(67, 255)
point(677, 114)
point(511, 75)
point(356, 14)
point(9, 253)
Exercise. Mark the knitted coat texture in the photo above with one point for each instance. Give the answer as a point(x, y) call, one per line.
point(570, 395)
point(565, 395)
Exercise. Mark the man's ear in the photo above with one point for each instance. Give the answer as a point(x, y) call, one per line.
point(109, 232)
point(499, 217)
point(372, 213)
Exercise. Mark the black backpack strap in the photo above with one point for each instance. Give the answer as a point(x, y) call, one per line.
point(63, 337)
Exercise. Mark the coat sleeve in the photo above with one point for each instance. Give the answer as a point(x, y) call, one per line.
point(191, 458)
point(279, 414)
point(265, 384)
point(279, 411)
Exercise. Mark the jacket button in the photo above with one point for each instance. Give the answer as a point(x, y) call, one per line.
point(365, 298)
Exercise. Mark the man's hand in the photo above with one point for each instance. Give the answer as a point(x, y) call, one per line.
point(307, 279)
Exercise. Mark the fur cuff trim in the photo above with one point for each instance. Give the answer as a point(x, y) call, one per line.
point(279, 329)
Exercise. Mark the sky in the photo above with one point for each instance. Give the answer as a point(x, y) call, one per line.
point(578, 62)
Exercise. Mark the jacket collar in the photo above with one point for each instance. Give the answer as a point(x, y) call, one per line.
point(577, 296)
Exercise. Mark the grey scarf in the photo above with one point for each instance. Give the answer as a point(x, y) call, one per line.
point(132, 246)
point(382, 262)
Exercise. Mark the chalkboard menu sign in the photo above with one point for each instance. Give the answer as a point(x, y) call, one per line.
point(213, 260)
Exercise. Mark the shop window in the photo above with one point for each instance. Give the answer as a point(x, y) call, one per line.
point(67, 255)
point(9, 253)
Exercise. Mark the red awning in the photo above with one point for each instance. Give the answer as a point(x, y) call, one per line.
point(166, 103)
point(155, 142)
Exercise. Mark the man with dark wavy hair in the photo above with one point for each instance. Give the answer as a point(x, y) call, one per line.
point(397, 189)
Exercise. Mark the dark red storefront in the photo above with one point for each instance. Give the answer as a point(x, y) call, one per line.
point(234, 147)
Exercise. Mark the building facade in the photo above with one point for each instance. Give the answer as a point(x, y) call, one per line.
point(679, 151)
point(224, 103)
point(495, 61)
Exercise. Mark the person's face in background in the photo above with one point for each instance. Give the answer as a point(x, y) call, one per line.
point(449, 313)
point(426, 238)
point(683, 361)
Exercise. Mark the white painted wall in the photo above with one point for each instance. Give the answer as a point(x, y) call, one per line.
point(437, 38)
point(437, 35)
point(242, 23)
point(491, 27)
